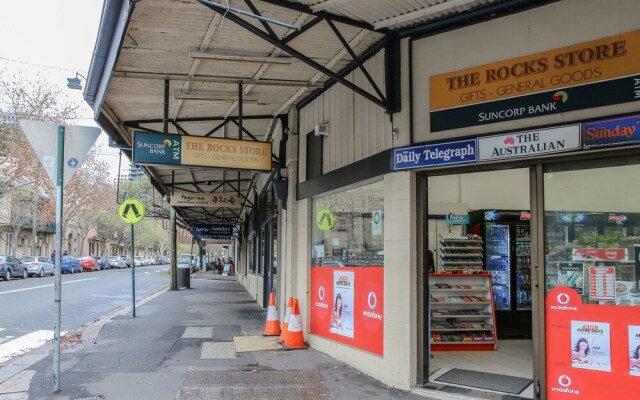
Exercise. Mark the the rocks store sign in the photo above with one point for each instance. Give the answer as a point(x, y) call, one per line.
point(592, 74)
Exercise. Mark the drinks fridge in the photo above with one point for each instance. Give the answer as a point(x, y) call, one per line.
point(507, 257)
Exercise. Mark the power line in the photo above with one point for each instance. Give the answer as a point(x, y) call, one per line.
point(42, 65)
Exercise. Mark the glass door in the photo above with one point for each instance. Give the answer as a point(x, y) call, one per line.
point(498, 262)
point(523, 267)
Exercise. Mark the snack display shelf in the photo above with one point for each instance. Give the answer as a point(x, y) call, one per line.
point(456, 324)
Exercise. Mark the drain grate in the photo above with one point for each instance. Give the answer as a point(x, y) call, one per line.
point(250, 385)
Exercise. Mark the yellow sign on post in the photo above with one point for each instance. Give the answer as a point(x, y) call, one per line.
point(131, 211)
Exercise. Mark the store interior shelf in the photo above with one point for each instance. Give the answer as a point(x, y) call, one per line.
point(458, 324)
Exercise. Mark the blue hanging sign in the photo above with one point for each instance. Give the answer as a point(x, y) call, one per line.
point(456, 219)
point(611, 132)
point(213, 231)
point(432, 155)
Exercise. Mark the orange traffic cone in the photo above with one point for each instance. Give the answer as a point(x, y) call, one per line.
point(272, 326)
point(294, 338)
point(285, 321)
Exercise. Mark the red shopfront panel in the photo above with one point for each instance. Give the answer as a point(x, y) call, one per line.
point(611, 333)
point(359, 291)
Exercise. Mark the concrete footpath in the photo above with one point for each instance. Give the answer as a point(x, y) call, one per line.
point(181, 346)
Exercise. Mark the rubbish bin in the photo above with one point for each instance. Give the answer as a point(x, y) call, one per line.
point(184, 278)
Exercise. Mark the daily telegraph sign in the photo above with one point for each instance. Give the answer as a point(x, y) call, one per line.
point(166, 149)
point(188, 199)
point(213, 231)
point(433, 155)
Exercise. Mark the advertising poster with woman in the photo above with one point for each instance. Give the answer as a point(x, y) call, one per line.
point(342, 310)
point(591, 345)
point(634, 350)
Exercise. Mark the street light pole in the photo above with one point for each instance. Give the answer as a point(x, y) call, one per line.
point(34, 222)
point(58, 270)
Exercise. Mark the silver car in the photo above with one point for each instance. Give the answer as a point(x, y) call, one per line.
point(38, 266)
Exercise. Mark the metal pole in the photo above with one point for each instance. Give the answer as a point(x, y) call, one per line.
point(133, 275)
point(172, 248)
point(58, 271)
point(34, 222)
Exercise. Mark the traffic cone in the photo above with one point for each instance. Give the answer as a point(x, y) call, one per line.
point(294, 338)
point(285, 321)
point(272, 326)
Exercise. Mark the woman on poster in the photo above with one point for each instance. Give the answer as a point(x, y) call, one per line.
point(581, 353)
point(634, 361)
point(336, 315)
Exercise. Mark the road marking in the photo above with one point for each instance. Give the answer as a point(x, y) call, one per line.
point(24, 344)
point(147, 273)
point(44, 286)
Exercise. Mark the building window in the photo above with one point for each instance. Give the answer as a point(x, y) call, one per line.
point(251, 253)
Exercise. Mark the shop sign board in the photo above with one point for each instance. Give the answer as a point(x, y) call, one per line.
point(433, 155)
point(591, 74)
point(619, 131)
point(168, 149)
point(213, 231)
point(529, 143)
point(456, 219)
point(358, 292)
point(612, 334)
point(189, 199)
point(610, 254)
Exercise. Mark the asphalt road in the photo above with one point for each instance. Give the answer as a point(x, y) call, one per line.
point(28, 305)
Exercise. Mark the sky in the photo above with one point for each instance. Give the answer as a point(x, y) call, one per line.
point(54, 39)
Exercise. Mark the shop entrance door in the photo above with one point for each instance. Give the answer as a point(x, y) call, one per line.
point(481, 267)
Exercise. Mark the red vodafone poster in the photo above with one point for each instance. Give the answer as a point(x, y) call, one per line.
point(347, 306)
point(590, 348)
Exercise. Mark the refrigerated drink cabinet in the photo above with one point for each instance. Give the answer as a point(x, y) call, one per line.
point(506, 237)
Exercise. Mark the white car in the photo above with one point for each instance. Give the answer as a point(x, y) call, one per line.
point(139, 261)
point(149, 261)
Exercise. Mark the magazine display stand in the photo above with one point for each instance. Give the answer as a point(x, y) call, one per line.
point(459, 253)
point(462, 315)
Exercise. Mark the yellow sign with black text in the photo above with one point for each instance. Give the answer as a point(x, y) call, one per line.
point(226, 153)
point(588, 62)
point(131, 211)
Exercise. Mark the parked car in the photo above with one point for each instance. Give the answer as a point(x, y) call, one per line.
point(12, 267)
point(70, 264)
point(125, 262)
point(139, 261)
point(102, 263)
point(113, 261)
point(89, 263)
point(38, 266)
point(149, 261)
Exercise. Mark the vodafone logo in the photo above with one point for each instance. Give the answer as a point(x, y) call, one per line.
point(321, 303)
point(372, 300)
point(564, 380)
point(563, 299)
point(321, 293)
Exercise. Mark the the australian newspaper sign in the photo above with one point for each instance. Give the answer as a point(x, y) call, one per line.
point(167, 149)
point(529, 143)
point(188, 199)
point(591, 74)
point(433, 155)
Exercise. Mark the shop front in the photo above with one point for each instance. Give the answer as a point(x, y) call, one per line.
point(527, 157)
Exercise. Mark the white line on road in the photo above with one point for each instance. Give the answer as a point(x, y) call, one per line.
point(44, 286)
point(148, 273)
point(24, 344)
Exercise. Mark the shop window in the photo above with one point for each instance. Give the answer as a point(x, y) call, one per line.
point(592, 231)
point(347, 274)
point(314, 155)
point(347, 230)
point(251, 253)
